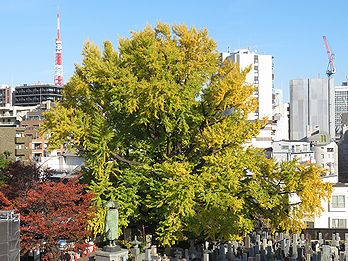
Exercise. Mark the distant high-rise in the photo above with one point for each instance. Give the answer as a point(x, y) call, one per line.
point(312, 107)
point(341, 106)
point(261, 76)
point(5, 95)
point(58, 68)
point(30, 95)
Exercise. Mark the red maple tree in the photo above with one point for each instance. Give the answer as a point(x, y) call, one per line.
point(5, 204)
point(54, 211)
point(19, 177)
point(49, 211)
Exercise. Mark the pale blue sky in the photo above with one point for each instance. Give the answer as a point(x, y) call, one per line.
point(289, 30)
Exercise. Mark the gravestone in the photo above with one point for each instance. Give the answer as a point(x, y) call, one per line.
point(187, 256)
point(326, 256)
point(222, 253)
point(135, 251)
point(341, 258)
point(247, 242)
point(321, 241)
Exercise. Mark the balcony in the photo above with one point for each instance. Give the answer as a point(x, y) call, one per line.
point(22, 140)
point(22, 152)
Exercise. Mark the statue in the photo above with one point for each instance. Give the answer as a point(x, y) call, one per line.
point(111, 252)
point(111, 222)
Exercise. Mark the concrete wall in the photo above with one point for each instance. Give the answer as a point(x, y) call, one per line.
point(7, 140)
point(311, 107)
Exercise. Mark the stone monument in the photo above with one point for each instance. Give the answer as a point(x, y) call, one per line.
point(111, 252)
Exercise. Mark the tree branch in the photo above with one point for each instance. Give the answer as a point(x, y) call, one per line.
point(129, 162)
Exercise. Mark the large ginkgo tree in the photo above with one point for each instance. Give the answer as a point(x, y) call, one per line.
point(163, 125)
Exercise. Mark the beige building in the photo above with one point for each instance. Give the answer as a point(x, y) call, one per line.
point(5, 95)
point(14, 144)
point(31, 124)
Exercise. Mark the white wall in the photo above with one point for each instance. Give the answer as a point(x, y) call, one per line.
point(330, 213)
point(265, 86)
point(327, 157)
point(280, 117)
point(62, 163)
point(289, 150)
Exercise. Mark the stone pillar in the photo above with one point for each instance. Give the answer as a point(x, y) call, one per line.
point(120, 255)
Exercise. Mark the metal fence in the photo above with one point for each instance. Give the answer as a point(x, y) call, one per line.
point(9, 236)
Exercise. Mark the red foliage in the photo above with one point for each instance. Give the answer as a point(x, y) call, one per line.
point(20, 177)
point(5, 204)
point(52, 211)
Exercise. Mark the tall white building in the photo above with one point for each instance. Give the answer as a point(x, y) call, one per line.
point(261, 76)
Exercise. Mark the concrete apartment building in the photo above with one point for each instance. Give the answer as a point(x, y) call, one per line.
point(5, 95)
point(29, 95)
point(12, 137)
point(319, 148)
point(31, 123)
point(335, 212)
point(287, 150)
point(11, 116)
point(261, 76)
point(14, 144)
point(312, 107)
point(326, 154)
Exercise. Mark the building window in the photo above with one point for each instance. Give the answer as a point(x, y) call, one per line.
point(322, 138)
point(339, 223)
point(309, 224)
point(330, 149)
point(338, 201)
point(322, 156)
point(36, 146)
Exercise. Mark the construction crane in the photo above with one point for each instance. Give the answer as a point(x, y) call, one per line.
point(331, 67)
